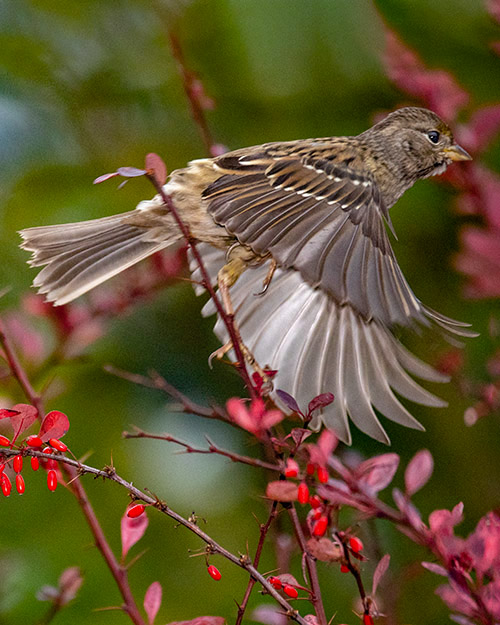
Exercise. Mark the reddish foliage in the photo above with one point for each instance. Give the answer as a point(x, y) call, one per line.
point(152, 601)
point(132, 530)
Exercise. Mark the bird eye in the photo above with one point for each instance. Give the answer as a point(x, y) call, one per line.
point(433, 136)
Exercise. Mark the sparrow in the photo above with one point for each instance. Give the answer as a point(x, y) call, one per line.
point(309, 220)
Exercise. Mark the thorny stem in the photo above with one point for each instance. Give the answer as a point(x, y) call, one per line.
point(207, 283)
point(156, 381)
point(264, 528)
point(212, 449)
point(117, 571)
point(213, 547)
point(312, 572)
point(354, 572)
point(76, 487)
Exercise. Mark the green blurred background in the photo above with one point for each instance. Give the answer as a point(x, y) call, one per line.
point(88, 86)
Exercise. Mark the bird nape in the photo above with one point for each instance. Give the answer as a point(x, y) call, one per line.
point(316, 211)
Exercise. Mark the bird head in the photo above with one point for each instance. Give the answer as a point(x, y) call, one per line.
point(418, 143)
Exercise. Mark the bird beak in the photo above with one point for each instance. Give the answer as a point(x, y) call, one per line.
point(457, 153)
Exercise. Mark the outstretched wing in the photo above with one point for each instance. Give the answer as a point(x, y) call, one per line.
point(315, 214)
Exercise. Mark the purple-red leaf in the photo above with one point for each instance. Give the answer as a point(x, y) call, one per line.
point(25, 416)
point(418, 471)
point(104, 177)
point(6, 413)
point(132, 530)
point(55, 425)
point(435, 568)
point(380, 571)
point(130, 172)
point(157, 166)
point(289, 401)
point(320, 401)
point(152, 601)
point(377, 473)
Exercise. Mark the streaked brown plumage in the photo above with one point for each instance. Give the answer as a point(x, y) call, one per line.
point(317, 208)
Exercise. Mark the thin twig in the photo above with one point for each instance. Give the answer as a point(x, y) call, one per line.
point(227, 319)
point(264, 528)
point(213, 547)
point(212, 449)
point(117, 571)
point(156, 381)
point(312, 572)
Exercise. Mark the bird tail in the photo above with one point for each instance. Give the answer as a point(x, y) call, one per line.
point(79, 256)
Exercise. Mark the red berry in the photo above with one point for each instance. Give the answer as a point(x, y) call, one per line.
point(317, 514)
point(34, 441)
point(5, 484)
point(52, 480)
point(367, 619)
point(35, 463)
point(320, 526)
point(344, 568)
point(17, 464)
point(355, 544)
point(276, 582)
point(136, 511)
point(292, 468)
point(214, 572)
point(2, 467)
point(19, 483)
point(59, 445)
point(290, 591)
point(303, 493)
point(48, 450)
point(315, 502)
point(310, 468)
point(4, 441)
point(322, 475)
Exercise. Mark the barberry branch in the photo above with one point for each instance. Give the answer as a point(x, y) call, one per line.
point(212, 449)
point(213, 547)
point(117, 571)
point(227, 319)
point(264, 528)
point(156, 381)
point(310, 566)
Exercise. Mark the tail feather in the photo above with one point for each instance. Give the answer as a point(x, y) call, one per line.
point(79, 256)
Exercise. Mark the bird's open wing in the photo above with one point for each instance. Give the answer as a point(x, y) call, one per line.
point(315, 214)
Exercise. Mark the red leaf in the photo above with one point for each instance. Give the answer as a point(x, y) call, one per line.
point(289, 401)
point(130, 172)
point(155, 163)
point(55, 425)
point(27, 415)
point(104, 177)
point(380, 571)
point(5, 413)
point(281, 490)
point(152, 601)
point(418, 471)
point(320, 401)
point(132, 530)
point(377, 473)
